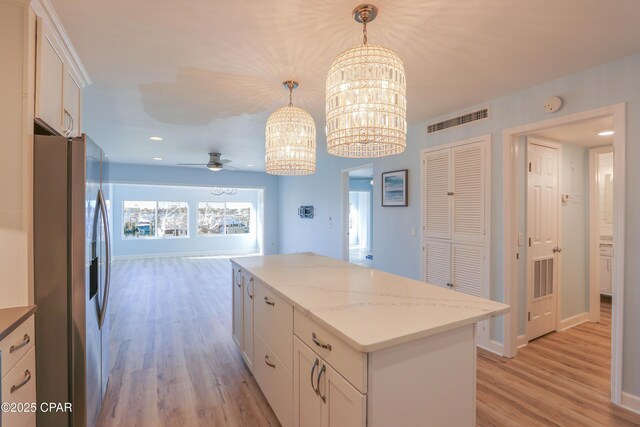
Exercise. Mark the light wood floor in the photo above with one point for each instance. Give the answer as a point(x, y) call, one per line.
point(174, 362)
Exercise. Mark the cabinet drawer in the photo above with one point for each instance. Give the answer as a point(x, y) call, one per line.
point(24, 372)
point(17, 344)
point(350, 363)
point(273, 320)
point(275, 381)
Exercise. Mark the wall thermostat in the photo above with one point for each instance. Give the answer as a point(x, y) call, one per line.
point(553, 104)
point(305, 211)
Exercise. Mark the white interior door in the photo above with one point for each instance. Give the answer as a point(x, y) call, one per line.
point(542, 230)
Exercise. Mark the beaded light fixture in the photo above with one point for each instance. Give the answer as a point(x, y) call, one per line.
point(290, 139)
point(366, 98)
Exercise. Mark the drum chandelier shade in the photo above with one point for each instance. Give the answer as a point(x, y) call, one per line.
point(366, 99)
point(290, 140)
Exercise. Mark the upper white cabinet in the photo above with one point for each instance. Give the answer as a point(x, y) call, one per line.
point(58, 89)
point(50, 77)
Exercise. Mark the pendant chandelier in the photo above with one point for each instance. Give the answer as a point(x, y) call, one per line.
point(290, 139)
point(366, 98)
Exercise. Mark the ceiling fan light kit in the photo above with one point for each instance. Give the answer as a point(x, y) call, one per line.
point(366, 98)
point(290, 135)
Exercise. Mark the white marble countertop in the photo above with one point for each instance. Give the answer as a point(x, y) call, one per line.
point(369, 309)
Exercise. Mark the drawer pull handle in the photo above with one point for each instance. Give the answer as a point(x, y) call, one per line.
point(27, 377)
point(25, 340)
point(317, 342)
point(266, 301)
point(313, 368)
point(250, 293)
point(269, 364)
point(236, 278)
point(324, 398)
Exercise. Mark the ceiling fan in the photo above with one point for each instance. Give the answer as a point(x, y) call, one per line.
point(215, 163)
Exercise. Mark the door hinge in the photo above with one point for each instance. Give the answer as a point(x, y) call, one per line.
point(529, 316)
point(529, 241)
point(529, 166)
point(517, 255)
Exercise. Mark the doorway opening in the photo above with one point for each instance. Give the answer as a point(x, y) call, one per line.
point(358, 215)
point(563, 227)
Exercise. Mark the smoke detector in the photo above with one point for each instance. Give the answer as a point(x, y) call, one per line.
point(553, 104)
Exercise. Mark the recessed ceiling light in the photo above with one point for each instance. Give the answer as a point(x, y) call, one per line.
point(155, 138)
point(157, 158)
point(605, 133)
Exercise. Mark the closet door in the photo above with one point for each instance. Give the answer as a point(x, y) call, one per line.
point(467, 269)
point(468, 187)
point(437, 262)
point(437, 194)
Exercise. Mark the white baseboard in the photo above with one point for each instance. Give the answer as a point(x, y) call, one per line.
point(492, 346)
point(572, 321)
point(522, 341)
point(226, 254)
point(630, 402)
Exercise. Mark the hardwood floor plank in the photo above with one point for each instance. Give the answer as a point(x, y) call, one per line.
point(174, 362)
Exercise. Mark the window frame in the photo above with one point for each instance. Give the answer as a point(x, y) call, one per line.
point(155, 235)
point(251, 232)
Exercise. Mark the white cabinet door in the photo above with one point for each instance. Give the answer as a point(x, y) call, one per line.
point(72, 102)
point(247, 319)
point(50, 71)
point(237, 305)
point(605, 275)
point(468, 187)
point(343, 405)
point(467, 269)
point(437, 262)
point(307, 406)
point(437, 194)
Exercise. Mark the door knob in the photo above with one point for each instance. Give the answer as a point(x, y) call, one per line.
point(556, 249)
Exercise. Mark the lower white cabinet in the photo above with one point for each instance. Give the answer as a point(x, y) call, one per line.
point(19, 375)
point(247, 319)
point(236, 280)
point(605, 269)
point(321, 396)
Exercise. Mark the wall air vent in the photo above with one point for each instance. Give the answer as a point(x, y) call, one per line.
point(464, 119)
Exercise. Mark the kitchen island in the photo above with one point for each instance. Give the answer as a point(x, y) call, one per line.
point(335, 344)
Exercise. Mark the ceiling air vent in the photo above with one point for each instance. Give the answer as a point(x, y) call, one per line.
point(459, 121)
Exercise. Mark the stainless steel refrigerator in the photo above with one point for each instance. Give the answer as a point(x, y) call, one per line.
point(71, 277)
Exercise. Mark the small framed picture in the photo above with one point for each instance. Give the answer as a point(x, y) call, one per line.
point(394, 188)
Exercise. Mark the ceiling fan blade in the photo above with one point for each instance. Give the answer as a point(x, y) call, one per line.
point(230, 168)
point(225, 161)
point(192, 164)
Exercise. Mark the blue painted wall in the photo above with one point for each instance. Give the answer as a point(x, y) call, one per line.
point(170, 177)
point(397, 250)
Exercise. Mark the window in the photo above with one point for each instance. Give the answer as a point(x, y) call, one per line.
point(150, 219)
point(216, 218)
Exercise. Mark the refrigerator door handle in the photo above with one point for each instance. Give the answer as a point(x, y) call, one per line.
point(107, 273)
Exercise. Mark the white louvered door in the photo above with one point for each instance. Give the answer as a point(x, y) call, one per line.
point(468, 175)
point(437, 262)
point(437, 194)
point(455, 212)
point(467, 269)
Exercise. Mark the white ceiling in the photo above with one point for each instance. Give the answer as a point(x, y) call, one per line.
point(206, 75)
point(584, 133)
